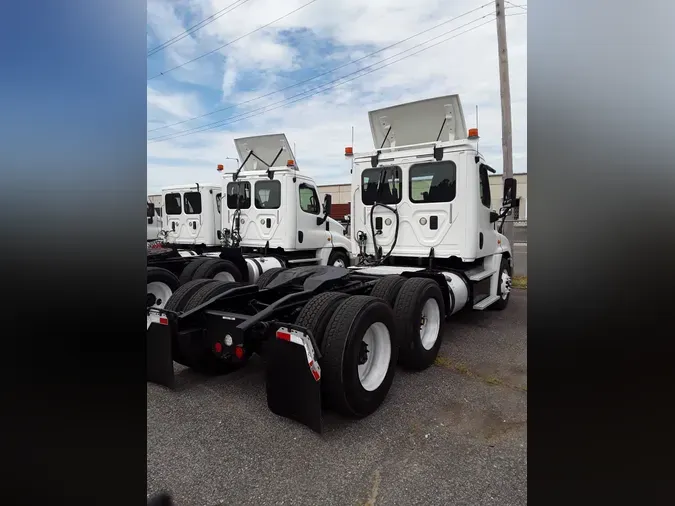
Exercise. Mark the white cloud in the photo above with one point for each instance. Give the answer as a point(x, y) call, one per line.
point(320, 126)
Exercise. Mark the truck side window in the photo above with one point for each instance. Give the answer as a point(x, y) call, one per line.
point(172, 203)
point(433, 182)
point(309, 200)
point(484, 187)
point(193, 202)
point(219, 202)
point(268, 195)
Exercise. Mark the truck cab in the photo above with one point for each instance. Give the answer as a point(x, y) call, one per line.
point(270, 204)
point(424, 196)
point(192, 214)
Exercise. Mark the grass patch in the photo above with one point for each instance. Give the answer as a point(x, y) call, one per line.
point(519, 282)
point(458, 367)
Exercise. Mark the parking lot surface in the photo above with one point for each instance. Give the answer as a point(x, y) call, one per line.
point(454, 434)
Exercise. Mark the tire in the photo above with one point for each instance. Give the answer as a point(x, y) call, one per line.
point(161, 284)
point(178, 302)
point(344, 390)
point(180, 298)
point(340, 257)
point(419, 346)
point(267, 276)
point(503, 286)
point(317, 313)
point(203, 360)
point(220, 270)
point(190, 268)
point(388, 288)
point(207, 292)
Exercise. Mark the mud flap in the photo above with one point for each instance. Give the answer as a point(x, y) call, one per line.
point(294, 377)
point(159, 358)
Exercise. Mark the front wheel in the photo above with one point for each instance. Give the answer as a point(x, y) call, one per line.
point(503, 286)
point(338, 258)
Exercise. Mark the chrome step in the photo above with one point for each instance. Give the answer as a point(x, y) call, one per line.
point(487, 301)
point(303, 261)
point(479, 274)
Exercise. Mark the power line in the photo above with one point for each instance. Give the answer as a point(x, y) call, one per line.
point(263, 110)
point(516, 5)
point(196, 27)
point(245, 115)
point(324, 73)
point(232, 41)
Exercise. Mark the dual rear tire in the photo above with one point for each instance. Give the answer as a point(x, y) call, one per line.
point(362, 338)
point(211, 268)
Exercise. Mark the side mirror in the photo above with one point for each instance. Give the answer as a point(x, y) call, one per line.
point(510, 186)
point(151, 210)
point(327, 204)
point(494, 216)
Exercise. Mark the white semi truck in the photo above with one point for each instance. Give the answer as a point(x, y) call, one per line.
point(427, 247)
point(271, 217)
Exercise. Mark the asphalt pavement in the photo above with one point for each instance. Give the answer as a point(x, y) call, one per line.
point(454, 434)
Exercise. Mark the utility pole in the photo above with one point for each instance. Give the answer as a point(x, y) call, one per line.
point(505, 91)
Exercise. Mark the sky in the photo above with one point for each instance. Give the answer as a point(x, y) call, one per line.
point(299, 76)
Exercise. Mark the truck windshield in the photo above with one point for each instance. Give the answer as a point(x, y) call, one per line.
point(382, 185)
point(433, 182)
point(239, 192)
point(268, 194)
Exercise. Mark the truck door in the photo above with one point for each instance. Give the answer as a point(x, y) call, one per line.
point(433, 188)
point(238, 206)
point(487, 238)
point(267, 203)
point(309, 234)
point(173, 209)
point(218, 213)
point(192, 210)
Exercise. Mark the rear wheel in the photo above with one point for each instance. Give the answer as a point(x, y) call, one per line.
point(388, 288)
point(178, 302)
point(190, 268)
point(316, 314)
point(267, 276)
point(360, 355)
point(161, 283)
point(199, 356)
point(420, 313)
point(218, 269)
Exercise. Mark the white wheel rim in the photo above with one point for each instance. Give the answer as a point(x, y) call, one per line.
point(430, 324)
point(505, 284)
point(224, 276)
point(161, 292)
point(339, 263)
point(378, 342)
